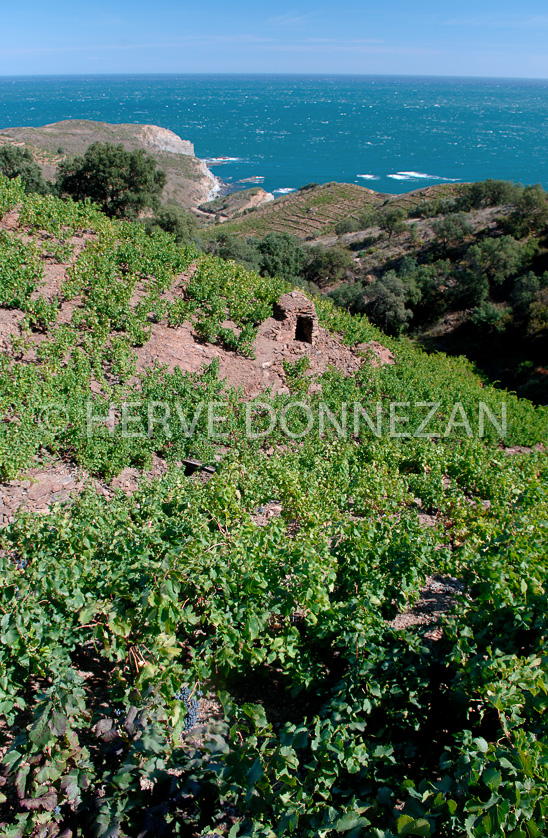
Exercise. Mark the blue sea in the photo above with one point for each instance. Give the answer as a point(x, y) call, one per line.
point(391, 134)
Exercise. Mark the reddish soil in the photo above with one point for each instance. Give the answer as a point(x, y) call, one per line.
point(179, 347)
point(10, 322)
point(56, 481)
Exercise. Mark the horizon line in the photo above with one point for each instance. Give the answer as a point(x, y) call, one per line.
point(270, 75)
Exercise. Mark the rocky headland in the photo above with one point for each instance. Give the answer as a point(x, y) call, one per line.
point(189, 182)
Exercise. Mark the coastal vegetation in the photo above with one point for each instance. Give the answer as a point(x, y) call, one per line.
point(313, 211)
point(122, 183)
point(188, 181)
point(322, 634)
point(180, 223)
point(19, 162)
point(463, 268)
point(459, 268)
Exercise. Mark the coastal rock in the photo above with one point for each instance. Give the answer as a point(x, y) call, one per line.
point(155, 138)
point(235, 203)
point(188, 180)
point(257, 199)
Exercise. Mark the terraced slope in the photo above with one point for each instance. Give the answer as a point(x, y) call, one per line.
point(313, 213)
point(308, 213)
point(338, 628)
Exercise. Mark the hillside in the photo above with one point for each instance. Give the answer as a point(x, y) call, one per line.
point(228, 206)
point(189, 181)
point(306, 213)
point(470, 275)
point(267, 571)
point(462, 268)
point(315, 210)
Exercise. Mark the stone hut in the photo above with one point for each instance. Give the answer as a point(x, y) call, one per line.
point(297, 316)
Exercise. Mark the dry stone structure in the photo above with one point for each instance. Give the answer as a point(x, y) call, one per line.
point(298, 317)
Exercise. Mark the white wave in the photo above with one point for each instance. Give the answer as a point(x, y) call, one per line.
point(219, 161)
point(285, 190)
point(368, 177)
point(418, 175)
point(421, 176)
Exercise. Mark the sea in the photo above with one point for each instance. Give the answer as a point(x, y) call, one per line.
point(391, 134)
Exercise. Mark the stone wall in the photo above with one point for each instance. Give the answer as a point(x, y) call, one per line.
point(298, 316)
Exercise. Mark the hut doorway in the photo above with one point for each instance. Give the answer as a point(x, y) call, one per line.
point(304, 329)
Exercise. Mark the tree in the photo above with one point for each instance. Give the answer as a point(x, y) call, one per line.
point(531, 212)
point(447, 204)
point(472, 288)
point(19, 162)
point(229, 247)
point(498, 259)
point(368, 218)
point(347, 225)
point(182, 225)
point(489, 193)
point(525, 292)
point(327, 265)
point(492, 317)
point(350, 297)
point(451, 229)
point(538, 310)
point(122, 183)
point(432, 282)
point(281, 255)
point(385, 304)
point(392, 221)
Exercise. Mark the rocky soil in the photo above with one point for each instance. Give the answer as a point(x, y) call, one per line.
point(51, 481)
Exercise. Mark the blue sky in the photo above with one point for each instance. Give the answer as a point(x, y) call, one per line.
point(420, 37)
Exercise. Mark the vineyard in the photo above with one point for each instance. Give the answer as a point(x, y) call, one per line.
point(314, 212)
point(308, 213)
point(254, 649)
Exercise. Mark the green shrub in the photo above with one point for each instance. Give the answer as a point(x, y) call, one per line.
point(122, 183)
point(19, 162)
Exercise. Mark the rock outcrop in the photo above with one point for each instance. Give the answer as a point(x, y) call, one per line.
point(155, 138)
point(230, 206)
point(188, 180)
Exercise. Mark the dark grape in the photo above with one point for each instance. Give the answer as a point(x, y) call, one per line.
point(191, 706)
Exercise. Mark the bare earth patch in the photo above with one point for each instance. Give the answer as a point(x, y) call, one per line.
point(280, 338)
point(437, 597)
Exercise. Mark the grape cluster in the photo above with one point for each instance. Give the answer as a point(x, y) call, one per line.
point(21, 564)
point(191, 705)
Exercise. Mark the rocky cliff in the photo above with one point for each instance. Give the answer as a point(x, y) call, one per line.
point(189, 181)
